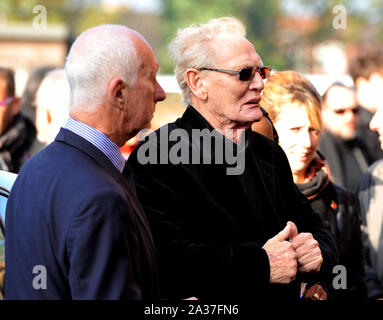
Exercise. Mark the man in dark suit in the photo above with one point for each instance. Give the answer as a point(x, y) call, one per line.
point(223, 210)
point(74, 227)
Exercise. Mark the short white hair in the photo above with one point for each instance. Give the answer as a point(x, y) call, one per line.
point(192, 47)
point(53, 87)
point(52, 97)
point(97, 56)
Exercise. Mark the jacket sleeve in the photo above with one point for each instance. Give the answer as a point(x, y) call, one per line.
point(99, 252)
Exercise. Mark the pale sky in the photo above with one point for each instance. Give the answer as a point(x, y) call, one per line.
point(143, 5)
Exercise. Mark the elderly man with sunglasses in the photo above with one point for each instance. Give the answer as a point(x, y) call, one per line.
point(224, 233)
point(16, 131)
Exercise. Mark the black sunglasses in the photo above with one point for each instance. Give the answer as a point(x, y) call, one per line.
point(245, 74)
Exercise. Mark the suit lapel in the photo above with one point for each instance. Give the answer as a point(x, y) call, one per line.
point(125, 181)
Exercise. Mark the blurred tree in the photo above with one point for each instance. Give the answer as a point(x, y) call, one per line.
point(259, 16)
point(76, 15)
point(363, 21)
point(308, 22)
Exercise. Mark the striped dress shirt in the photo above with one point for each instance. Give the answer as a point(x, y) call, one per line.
point(99, 140)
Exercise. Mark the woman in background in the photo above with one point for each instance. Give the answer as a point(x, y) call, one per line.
point(294, 106)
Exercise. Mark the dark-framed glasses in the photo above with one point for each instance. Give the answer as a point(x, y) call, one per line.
point(245, 74)
point(7, 101)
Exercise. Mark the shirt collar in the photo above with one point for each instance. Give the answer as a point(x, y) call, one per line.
point(99, 140)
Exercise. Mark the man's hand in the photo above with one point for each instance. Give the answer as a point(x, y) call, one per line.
point(315, 292)
point(282, 258)
point(307, 251)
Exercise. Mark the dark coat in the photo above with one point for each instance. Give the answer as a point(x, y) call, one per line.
point(348, 159)
point(209, 227)
point(15, 144)
point(339, 211)
point(72, 212)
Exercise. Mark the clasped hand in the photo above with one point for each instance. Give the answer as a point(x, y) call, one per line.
point(301, 253)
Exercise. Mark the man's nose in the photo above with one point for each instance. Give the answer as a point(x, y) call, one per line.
point(257, 82)
point(350, 114)
point(159, 94)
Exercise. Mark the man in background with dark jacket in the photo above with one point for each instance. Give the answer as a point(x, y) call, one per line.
point(16, 131)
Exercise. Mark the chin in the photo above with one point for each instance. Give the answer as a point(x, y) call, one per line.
point(255, 115)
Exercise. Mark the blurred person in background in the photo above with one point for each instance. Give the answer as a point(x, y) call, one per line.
point(294, 107)
point(52, 108)
point(16, 131)
point(265, 126)
point(28, 97)
point(345, 149)
point(370, 194)
point(366, 70)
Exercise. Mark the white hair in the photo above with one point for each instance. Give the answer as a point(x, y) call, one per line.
point(97, 56)
point(192, 47)
point(52, 97)
point(53, 88)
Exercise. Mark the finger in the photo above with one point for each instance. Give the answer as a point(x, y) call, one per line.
point(311, 291)
point(293, 230)
point(323, 296)
point(303, 288)
point(312, 266)
point(307, 256)
point(301, 239)
point(311, 247)
point(284, 234)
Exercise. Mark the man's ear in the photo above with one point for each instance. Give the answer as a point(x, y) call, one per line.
point(116, 93)
point(196, 83)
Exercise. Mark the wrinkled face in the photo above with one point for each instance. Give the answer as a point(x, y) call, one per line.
point(376, 124)
point(340, 112)
point(230, 101)
point(297, 136)
point(142, 98)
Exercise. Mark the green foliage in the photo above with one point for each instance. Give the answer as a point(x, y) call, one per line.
point(259, 17)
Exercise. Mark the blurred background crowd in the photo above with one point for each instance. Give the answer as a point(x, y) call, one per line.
point(334, 43)
point(316, 38)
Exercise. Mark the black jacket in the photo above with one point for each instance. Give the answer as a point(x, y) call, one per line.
point(339, 212)
point(209, 227)
point(347, 159)
point(15, 144)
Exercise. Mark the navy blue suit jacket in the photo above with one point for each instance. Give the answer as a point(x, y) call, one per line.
point(72, 214)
